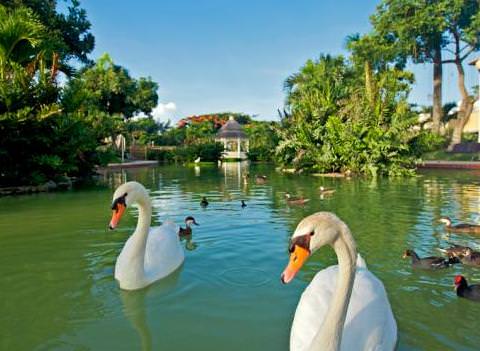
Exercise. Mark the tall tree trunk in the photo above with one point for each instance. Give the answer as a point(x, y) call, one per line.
point(466, 107)
point(437, 90)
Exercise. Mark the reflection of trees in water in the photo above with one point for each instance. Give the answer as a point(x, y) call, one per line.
point(381, 212)
point(52, 270)
point(452, 195)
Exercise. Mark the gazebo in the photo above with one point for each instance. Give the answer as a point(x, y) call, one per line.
point(234, 140)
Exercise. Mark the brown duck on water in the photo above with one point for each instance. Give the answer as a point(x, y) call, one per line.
point(461, 227)
point(295, 200)
point(187, 231)
point(326, 191)
point(464, 254)
point(455, 251)
point(471, 258)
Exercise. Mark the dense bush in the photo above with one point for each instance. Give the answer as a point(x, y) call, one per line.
point(263, 140)
point(34, 150)
point(346, 117)
point(209, 152)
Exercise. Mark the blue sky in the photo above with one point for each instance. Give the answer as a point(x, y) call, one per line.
point(224, 55)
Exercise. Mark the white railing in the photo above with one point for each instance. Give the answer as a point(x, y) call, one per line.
point(234, 154)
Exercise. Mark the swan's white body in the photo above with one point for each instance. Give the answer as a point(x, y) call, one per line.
point(369, 324)
point(149, 254)
point(345, 307)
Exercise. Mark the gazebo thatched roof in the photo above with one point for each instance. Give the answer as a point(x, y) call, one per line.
point(231, 130)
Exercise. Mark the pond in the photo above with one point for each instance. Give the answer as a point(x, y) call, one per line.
point(57, 258)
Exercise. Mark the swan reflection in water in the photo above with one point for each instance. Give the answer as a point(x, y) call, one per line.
point(135, 309)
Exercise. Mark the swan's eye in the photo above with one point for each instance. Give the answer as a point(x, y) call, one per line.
point(291, 248)
point(312, 233)
point(119, 200)
point(302, 241)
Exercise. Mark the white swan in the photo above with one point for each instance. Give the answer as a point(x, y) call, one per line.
point(150, 253)
point(345, 307)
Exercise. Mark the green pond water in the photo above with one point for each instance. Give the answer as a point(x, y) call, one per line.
point(57, 290)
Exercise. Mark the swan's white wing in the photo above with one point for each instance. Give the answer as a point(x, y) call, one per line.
point(361, 262)
point(369, 324)
point(163, 253)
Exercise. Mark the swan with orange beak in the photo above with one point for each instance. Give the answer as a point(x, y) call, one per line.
point(150, 253)
point(345, 307)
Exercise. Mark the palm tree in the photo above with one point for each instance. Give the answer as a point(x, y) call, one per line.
point(21, 37)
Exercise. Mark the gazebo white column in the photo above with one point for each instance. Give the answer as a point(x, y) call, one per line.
point(238, 147)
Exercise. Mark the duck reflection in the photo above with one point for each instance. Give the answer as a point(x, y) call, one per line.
point(135, 309)
point(190, 245)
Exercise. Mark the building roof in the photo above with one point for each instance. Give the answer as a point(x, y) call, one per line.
point(231, 130)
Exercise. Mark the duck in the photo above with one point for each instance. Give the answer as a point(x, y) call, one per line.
point(243, 204)
point(470, 258)
point(345, 307)
point(431, 262)
point(470, 292)
point(461, 227)
point(295, 200)
point(260, 179)
point(150, 253)
point(204, 202)
point(326, 191)
point(187, 231)
point(455, 251)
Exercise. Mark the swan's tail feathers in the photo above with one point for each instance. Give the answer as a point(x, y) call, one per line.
point(361, 262)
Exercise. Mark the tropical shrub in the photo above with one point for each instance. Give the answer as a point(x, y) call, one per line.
point(263, 140)
point(346, 117)
point(34, 150)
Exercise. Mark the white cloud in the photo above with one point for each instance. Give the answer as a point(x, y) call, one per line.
point(162, 112)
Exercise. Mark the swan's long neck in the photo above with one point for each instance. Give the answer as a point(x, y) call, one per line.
point(139, 236)
point(329, 337)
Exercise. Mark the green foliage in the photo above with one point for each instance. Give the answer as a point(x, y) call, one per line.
point(68, 34)
point(172, 137)
point(34, 149)
point(145, 130)
point(199, 133)
point(20, 33)
point(109, 88)
point(263, 140)
point(208, 152)
point(414, 27)
point(39, 142)
point(25, 78)
point(349, 119)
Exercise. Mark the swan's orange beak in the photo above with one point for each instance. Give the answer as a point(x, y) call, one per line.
point(116, 215)
point(297, 259)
